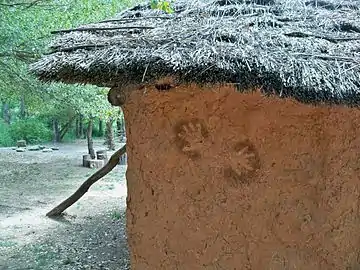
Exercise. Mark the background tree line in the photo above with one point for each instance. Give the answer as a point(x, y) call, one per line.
point(40, 112)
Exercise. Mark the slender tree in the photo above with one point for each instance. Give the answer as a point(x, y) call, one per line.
point(5, 112)
point(22, 107)
point(110, 142)
point(114, 160)
point(90, 142)
point(101, 129)
point(56, 130)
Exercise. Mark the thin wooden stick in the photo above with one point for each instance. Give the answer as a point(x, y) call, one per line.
point(73, 48)
point(135, 19)
point(99, 29)
point(114, 160)
point(328, 38)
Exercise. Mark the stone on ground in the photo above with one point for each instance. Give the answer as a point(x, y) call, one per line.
point(34, 148)
point(20, 149)
point(46, 150)
point(96, 163)
point(86, 159)
point(102, 155)
point(21, 143)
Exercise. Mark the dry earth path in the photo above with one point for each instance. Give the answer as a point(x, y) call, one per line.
point(91, 236)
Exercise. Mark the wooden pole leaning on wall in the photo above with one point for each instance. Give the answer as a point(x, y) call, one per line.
point(114, 160)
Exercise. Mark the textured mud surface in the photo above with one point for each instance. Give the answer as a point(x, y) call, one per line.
point(92, 234)
point(222, 180)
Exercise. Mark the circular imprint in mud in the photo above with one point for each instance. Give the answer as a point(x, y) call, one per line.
point(243, 163)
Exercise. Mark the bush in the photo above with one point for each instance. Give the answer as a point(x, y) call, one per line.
point(69, 136)
point(31, 130)
point(5, 136)
point(96, 133)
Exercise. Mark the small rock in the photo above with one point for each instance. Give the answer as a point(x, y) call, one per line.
point(20, 149)
point(96, 163)
point(13, 148)
point(34, 148)
point(21, 143)
point(67, 261)
point(46, 150)
point(55, 148)
point(42, 147)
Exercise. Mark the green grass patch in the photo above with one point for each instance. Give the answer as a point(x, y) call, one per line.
point(5, 137)
point(115, 215)
point(7, 243)
point(31, 130)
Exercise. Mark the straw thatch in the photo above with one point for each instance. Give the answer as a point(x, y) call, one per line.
point(309, 50)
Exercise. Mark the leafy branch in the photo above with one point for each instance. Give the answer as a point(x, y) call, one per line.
point(161, 5)
point(24, 56)
point(22, 4)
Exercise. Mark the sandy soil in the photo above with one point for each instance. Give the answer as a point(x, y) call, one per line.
point(92, 233)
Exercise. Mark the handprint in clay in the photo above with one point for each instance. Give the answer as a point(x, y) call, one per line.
point(243, 161)
point(193, 137)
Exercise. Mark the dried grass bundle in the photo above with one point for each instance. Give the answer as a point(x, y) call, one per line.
point(308, 50)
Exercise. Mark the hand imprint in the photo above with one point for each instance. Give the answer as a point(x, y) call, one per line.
point(193, 137)
point(242, 161)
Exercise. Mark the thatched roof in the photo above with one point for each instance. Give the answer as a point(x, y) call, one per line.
point(309, 50)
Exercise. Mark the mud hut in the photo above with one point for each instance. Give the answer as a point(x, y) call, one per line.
point(243, 129)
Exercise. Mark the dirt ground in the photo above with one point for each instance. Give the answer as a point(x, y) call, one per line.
point(92, 234)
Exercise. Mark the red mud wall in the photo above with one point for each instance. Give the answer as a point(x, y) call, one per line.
point(224, 180)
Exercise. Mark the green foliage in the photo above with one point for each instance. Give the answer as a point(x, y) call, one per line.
point(161, 5)
point(7, 243)
point(5, 136)
point(31, 130)
point(69, 136)
point(95, 131)
point(115, 215)
point(24, 36)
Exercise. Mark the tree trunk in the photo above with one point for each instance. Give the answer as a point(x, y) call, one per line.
point(3, 104)
point(77, 129)
point(118, 126)
point(5, 112)
point(3, 109)
point(90, 142)
point(65, 129)
point(82, 133)
point(114, 160)
point(101, 128)
point(56, 131)
point(22, 107)
point(110, 134)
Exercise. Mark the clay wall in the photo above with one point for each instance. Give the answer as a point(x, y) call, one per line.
point(223, 180)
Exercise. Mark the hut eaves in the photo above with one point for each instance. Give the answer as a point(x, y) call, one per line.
point(308, 50)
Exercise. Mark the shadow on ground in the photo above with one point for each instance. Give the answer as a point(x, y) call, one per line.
point(92, 235)
point(96, 242)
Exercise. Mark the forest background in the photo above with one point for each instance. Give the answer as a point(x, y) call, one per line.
point(38, 112)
